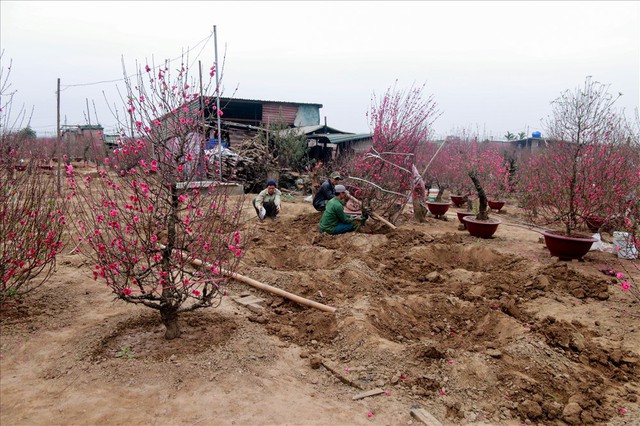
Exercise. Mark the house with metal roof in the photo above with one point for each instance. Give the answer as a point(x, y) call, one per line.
point(243, 119)
point(327, 143)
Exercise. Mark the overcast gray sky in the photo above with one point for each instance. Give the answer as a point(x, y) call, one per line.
point(491, 66)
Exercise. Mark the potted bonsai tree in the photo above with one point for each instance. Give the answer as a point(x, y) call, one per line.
point(479, 162)
point(480, 226)
point(581, 171)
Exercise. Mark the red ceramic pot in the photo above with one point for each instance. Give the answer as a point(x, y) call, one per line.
point(462, 215)
point(496, 205)
point(481, 228)
point(458, 200)
point(594, 223)
point(437, 209)
point(567, 248)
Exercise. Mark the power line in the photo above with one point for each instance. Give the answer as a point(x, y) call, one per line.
point(204, 40)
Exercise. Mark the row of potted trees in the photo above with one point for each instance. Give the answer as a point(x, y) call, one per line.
point(586, 173)
point(464, 167)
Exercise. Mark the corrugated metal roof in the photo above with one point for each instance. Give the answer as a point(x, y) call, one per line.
point(308, 130)
point(223, 99)
point(339, 138)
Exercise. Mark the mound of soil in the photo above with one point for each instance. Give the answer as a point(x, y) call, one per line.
point(474, 331)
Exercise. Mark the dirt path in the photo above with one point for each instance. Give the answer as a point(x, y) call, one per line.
point(474, 331)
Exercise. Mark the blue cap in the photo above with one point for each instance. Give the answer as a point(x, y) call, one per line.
point(271, 182)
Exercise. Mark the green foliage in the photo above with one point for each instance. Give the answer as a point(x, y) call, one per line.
point(27, 134)
point(125, 353)
point(287, 146)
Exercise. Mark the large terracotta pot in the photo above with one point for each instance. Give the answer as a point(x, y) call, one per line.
point(458, 200)
point(496, 205)
point(437, 209)
point(462, 215)
point(567, 248)
point(481, 228)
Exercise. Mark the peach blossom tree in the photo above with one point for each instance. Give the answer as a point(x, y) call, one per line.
point(587, 168)
point(468, 165)
point(401, 121)
point(32, 214)
point(160, 234)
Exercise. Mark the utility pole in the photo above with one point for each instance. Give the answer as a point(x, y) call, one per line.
point(215, 42)
point(86, 148)
point(203, 145)
point(59, 148)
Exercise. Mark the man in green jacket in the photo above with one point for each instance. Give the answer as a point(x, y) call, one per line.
point(334, 221)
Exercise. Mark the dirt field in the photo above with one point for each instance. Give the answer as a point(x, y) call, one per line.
point(473, 331)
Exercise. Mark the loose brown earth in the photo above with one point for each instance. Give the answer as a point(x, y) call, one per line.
point(473, 331)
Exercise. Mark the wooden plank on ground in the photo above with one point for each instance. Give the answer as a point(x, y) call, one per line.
point(367, 394)
point(425, 417)
point(336, 372)
point(249, 300)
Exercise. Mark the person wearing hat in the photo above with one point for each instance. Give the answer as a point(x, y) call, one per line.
point(326, 192)
point(334, 221)
point(267, 203)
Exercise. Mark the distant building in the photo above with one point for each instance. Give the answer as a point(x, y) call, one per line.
point(76, 132)
point(243, 119)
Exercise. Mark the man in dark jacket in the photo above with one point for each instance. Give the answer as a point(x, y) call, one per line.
point(326, 192)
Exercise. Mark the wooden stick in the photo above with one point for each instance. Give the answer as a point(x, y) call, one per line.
point(367, 394)
point(383, 220)
point(280, 292)
point(425, 417)
point(375, 215)
point(260, 285)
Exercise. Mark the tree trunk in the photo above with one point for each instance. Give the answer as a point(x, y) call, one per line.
point(441, 189)
point(170, 320)
point(419, 211)
point(482, 209)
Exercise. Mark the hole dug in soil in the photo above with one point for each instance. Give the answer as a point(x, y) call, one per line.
point(442, 321)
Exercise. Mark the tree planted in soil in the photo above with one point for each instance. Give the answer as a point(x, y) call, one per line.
point(136, 217)
point(588, 168)
point(32, 223)
point(32, 215)
point(401, 122)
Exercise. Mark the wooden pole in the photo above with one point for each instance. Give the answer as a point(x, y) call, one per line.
point(260, 285)
point(280, 292)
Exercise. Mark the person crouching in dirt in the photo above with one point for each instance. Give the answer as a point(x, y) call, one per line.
point(326, 192)
point(334, 221)
point(267, 203)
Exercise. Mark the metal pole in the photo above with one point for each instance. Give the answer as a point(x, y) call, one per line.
point(215, 42)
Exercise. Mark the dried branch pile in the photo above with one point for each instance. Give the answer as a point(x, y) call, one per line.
point(250, 166)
